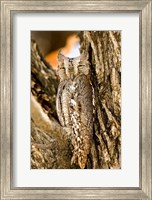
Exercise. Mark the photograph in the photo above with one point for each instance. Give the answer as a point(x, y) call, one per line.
point(76, 99)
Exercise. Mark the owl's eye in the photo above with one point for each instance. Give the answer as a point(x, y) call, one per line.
point(62, 68)
point(81, 67)
point(61, 71)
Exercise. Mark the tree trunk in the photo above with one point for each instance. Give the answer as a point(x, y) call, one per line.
point(50, 146)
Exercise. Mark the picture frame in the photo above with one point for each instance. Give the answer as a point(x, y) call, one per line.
point(8, 9)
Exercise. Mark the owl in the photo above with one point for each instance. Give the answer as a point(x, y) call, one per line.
point(74, 104)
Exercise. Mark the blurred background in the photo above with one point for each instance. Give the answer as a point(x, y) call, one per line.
point(50, 42)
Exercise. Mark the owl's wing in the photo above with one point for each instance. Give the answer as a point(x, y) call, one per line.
point(59, 102)
point(63, 102)
point(85, 100)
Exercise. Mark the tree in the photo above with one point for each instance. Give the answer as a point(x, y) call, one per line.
point(50, 146)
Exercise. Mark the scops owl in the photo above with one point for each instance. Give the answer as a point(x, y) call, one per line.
point(74, 105)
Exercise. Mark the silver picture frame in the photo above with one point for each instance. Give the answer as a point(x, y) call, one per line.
point(8, 9)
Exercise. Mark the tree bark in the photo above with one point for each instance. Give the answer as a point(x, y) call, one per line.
point(50, 146)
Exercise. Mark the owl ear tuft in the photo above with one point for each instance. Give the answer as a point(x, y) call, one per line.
point(84, 55)
point(60, 56)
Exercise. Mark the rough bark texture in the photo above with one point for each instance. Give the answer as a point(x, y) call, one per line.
point(50, 147)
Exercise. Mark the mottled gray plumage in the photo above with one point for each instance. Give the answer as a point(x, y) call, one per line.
point(74, 105)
